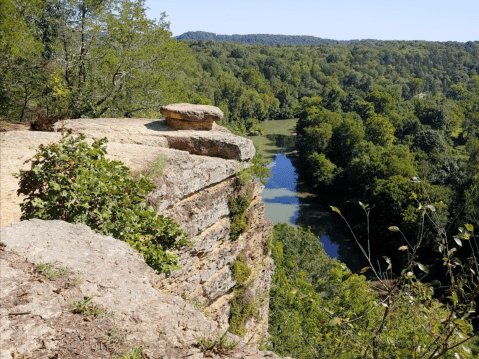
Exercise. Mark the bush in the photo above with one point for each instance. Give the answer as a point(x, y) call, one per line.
point(240, 270)
point(244, 304)
point(429, 140)
point(72, 181)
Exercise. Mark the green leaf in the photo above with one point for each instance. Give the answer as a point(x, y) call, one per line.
point(364, 269)
point(334, 322)
point(423, 268)
point(335, 209)
point(454, 297)
point(469, 227)
point(393, 229)
point(458, 241)
point(364, 206)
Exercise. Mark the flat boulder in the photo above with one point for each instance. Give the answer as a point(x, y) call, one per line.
point(189, 116)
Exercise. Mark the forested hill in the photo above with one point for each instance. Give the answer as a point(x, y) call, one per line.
point(265, 39)
point(268, 39)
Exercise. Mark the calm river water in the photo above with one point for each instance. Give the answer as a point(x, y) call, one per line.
point(284, 204)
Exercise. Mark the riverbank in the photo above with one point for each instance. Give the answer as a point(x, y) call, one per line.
point(283, 203)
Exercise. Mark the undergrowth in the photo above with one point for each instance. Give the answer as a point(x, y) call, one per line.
point(73, 181)
point(240, 270)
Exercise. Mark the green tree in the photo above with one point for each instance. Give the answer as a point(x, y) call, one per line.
point(382, 100)
point(379, 130)
point(18, 40)
point(118, 62)
point(321, 169)
point(100, 58)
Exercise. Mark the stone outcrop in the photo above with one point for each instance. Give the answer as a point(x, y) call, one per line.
point(219, 142)
point(191, 117)
point(37, 317)
point(194, 188)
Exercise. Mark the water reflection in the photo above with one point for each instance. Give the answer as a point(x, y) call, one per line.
point(286, 200)
point(284, 204)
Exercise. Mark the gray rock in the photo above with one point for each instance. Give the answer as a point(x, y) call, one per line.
point(110, 270)
point(190, 112)
point(218, 142)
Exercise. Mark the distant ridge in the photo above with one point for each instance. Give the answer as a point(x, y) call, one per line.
point(265, 39)
point(268, 39)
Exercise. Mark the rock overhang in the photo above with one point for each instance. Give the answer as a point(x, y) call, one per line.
point(218, 142)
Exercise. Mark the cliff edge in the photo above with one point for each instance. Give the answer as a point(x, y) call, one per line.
point(194, 188)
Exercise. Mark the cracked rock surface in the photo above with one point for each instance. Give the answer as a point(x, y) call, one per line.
point(37, 316)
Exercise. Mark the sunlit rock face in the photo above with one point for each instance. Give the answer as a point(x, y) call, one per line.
point(196, 181)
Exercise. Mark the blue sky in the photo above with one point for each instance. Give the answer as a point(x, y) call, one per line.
point(434, 20)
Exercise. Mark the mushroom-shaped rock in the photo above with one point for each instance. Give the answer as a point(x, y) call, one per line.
point(188, 117)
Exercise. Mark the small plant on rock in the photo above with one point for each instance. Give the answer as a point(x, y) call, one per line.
point(86, 307)
point(219, 345)
point(244, 304)
point(74, 182)
point(46, 270)
point(240, 270)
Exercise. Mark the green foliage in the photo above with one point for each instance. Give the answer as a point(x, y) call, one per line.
point(239, 202)
point(74, 182)
point(238, 206)
point(321, 169)
point(244, 304)
point(17, 31)
point(216, 346)
point(379, 130)
point(240, 270)
point(46, 270)
point(319, 309)
point(135, 353)
point(90, 59)
point(86, 307)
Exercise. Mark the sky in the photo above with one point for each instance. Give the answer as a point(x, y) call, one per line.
point(432, 20)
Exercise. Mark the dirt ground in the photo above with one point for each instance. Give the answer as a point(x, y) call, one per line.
point(15, 126)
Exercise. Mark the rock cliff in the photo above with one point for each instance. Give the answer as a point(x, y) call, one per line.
point(196, 182)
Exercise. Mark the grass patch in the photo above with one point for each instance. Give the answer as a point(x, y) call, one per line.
point(46, 270)
point(277, 134)
point(86, 307)
point(216, 346)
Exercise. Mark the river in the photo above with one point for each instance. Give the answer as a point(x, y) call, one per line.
point(287, 199)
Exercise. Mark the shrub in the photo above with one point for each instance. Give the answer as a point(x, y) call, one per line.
point(240, 270)
point(243, 305)
point(74, 182)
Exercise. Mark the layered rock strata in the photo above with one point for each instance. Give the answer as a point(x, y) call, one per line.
point(192, 117)
point(218, 142)
point(194, 188)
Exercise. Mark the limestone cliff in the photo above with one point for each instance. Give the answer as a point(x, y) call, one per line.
point(194, 188)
